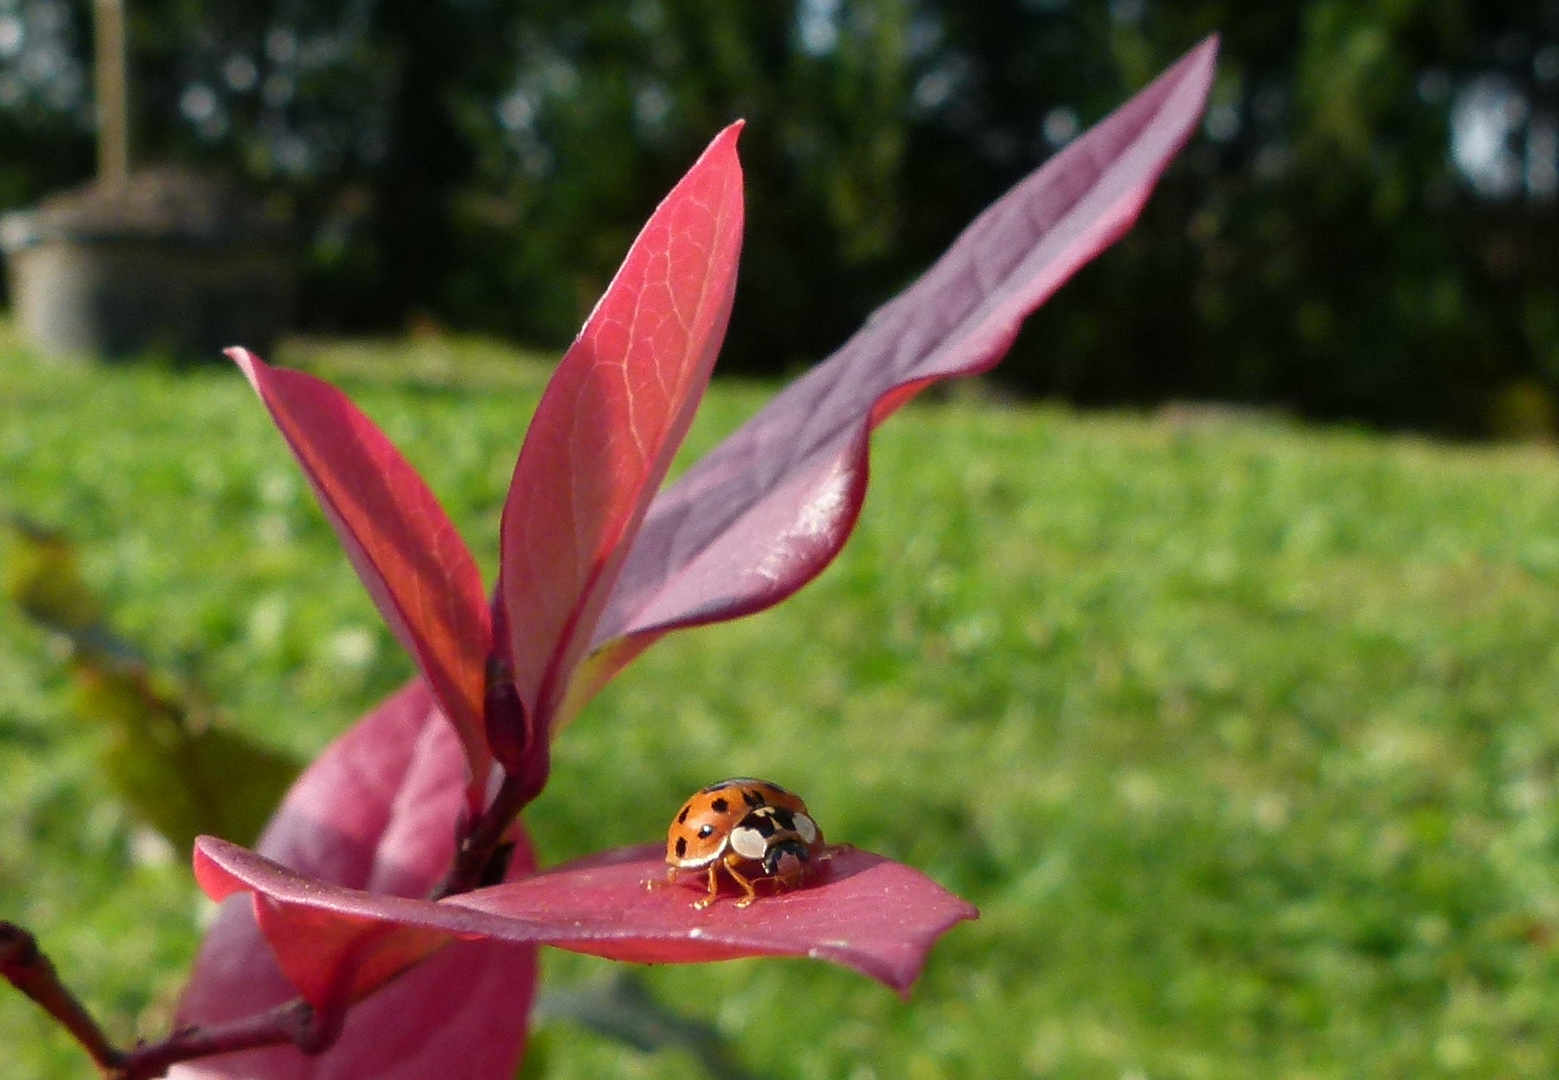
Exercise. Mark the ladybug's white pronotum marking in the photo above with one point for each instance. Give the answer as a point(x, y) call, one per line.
point(748, 843)
point(807, 828)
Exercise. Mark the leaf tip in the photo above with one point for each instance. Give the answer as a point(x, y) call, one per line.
point(1202, 60)
point(247, 362)
point(724, 144)
point(214, 879)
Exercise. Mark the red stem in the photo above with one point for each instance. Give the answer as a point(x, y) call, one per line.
point(525, 754)
point(26, 967)
point(30, 971)
point(488, 831)
point(295, 1023)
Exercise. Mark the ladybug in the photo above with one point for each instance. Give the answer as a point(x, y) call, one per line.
point(754, 830)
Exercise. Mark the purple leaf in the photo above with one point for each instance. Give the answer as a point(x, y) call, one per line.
point(763, 513)
point(408, 555)
point(375, 811)
point(865, 912)
point(611, 420)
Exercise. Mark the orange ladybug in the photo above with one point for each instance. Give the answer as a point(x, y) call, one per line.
point(754, 830)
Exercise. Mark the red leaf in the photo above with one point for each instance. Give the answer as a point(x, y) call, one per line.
point(403, 546)
point(610, 421)
point(865, 912)
point(375, 811)
point(770, 507)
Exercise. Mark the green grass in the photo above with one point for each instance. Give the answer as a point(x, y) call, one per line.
point(1243, 736)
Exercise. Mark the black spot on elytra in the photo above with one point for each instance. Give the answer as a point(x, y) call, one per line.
point(751, 797)
point(682, 817)
point(681, 846)
point(705, 831)
point(719, 806)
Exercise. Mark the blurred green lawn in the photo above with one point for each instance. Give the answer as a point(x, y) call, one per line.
point(1242, 735)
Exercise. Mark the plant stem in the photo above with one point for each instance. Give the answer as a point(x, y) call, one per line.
point(30, 971)
point(525, 755)
point(485, 837)
point(26, 967)
point(295, 1023)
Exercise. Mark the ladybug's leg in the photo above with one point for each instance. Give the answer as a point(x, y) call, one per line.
point(714, 888)
point(730, 868)
point(660, 883)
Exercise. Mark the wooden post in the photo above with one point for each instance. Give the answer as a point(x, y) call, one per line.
point(113, 124)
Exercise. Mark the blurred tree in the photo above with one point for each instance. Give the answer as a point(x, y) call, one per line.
point(1366, 230)
point(1372, 224)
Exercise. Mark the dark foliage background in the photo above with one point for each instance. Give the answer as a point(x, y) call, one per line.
point(1365, 230)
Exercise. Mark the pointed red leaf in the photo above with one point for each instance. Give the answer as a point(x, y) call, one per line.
point(403, 546)
point(610, 421)
point(771, 506)
point(376, 812)
point(865, 912)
